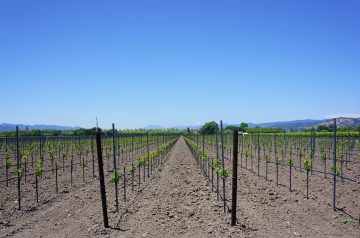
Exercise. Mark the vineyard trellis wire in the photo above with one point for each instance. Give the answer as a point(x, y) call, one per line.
point(291, 155)
point(49, 166)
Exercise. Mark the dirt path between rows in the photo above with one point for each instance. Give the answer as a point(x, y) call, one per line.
point(177, 203)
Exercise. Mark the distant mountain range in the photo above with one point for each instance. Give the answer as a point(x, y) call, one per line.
point(12, 127)
point(293, 125)
point(343, 121)
point(286, 125)
point(309, 123)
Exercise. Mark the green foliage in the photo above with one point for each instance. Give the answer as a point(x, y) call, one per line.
point(209, 128)
point(290, 162)
point(202, 155)
point(57, 166)
point(20, 171)
point(337, 170)
point(25, 159)
point(267, 158)
point(40, 161)
point(243, 126)
point(278, 160)
point(308, 163)
point(322, 131)
point(7, 160)
point(216, 165)
point(132, 169)
point(323, 156)
point(38, 170)
point(357, 128)
point(52, 153)
point(84, 163)
point(148, 157)
point(351, 222)
point(267, 130)
point(231, 128)
point(324, 128)
point(224, 173)
point(188, 130)
point(341, 155)
point(141, 162)
point(115, 177)
point(85, 132)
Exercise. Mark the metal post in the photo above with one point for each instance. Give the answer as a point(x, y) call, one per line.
point(217, 157)
point(312, 148)
point(258, 150)
point(101, 179)
point(275, 146)
point(223, 163)
point(18, 167)
point(115, 170)
point(148, 153)
point(234, 178)
point(334, 168)
point(242, 149)
point(93, 155)
point(40, 144)
point(125, 184)
point(203, 149)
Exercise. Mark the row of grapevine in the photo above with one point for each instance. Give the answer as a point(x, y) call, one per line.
point(36, 169)
point(149, 161)
point(211, 165)
point(290, 159)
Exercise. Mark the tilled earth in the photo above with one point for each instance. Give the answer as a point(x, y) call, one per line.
point(176, 202)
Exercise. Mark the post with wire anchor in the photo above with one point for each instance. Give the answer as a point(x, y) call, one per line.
point(334, 167)
point(18, 168)
point(234, 177)
point(101, 179)
point(223, 164)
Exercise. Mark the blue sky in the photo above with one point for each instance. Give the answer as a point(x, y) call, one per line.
point(178, 62)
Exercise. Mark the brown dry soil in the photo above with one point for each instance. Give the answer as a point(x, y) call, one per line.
point(176, 202)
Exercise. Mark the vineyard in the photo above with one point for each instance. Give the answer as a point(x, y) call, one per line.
point(35, 171)
point(151, 184)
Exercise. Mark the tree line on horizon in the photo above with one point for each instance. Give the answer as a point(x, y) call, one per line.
point(87, 132)
point(210, 128)
point(207, 128)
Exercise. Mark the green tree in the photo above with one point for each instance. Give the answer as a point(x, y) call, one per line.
point(243, 126)
point(357, 128)
point(209, 128)
point(324, 128)
point(231, 128)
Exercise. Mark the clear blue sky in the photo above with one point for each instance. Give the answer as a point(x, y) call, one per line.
point(178, 62)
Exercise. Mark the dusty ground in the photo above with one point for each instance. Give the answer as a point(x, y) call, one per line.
point(273, 210)
point(176, 202)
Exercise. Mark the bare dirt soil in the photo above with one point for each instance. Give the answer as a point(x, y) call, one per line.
point(176, 202)
point(273, 210)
